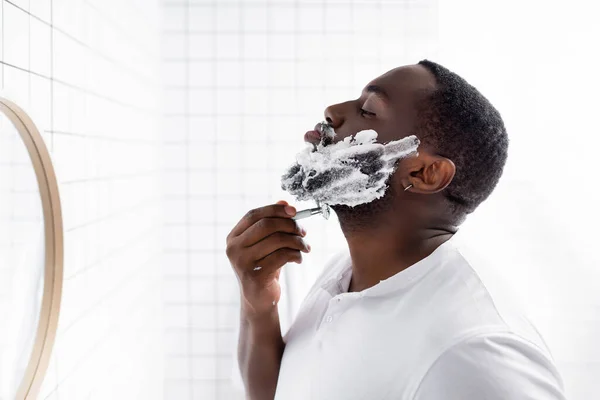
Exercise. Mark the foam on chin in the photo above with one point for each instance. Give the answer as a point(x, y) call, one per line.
point(351, 172)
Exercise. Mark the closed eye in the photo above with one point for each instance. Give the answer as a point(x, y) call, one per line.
point(365, 113)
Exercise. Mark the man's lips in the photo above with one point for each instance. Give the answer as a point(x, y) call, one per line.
point(313, 137)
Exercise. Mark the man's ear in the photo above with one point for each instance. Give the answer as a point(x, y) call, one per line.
point(427, 173)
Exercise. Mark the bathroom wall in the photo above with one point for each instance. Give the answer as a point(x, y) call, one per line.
point(244, 80)
point(87, 71)
point(241, 82)
point(540, 234)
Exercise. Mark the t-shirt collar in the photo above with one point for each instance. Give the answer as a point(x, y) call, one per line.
point(340, 282)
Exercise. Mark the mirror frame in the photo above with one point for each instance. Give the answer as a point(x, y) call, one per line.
point(53, 233)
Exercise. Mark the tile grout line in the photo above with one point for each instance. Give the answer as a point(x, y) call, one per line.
point(215, 72)
point(190, 344)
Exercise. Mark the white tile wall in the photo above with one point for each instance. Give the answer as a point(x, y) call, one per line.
point(87, 71)
point(243, 81)
point(557, 262)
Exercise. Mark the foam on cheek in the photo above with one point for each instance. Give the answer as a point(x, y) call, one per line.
point(351, 172)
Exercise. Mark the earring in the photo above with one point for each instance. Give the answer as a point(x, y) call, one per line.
point(408, 187)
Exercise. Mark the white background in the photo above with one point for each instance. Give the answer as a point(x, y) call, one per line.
point(241, 83)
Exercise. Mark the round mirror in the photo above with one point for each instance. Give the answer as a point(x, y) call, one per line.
point(31, 254)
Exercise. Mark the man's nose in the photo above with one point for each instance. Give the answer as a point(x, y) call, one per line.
point(334, 117)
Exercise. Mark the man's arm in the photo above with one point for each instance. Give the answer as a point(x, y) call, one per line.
point(261, 243)
point(260, 350)
point(493, 367)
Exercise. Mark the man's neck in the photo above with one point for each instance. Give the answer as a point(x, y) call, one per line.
point(381, 252)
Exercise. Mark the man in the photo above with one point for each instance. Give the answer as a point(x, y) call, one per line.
point(401, 315)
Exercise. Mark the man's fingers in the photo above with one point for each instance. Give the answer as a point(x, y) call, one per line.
point(277, 241)
point(253, 216)
point(278, 259)
point(266, 227)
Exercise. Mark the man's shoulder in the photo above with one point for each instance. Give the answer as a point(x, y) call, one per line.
point(492, 365)
point(473, 298)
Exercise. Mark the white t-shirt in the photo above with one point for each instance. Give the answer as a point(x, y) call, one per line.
point(430, 332)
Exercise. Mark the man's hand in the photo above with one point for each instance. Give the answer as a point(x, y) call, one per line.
point(262, 242)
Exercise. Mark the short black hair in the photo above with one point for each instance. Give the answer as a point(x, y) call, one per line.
point(462, 125)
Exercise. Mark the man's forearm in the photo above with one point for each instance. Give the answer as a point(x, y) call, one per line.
point(260, 349)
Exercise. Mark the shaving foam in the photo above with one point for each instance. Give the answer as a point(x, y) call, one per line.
point(350, 172)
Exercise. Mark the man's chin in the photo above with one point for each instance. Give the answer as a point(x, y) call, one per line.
point(365, 215)
point(343, 209)
point(361, 210)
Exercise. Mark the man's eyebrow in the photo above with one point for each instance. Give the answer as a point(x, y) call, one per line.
point(377, 90)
